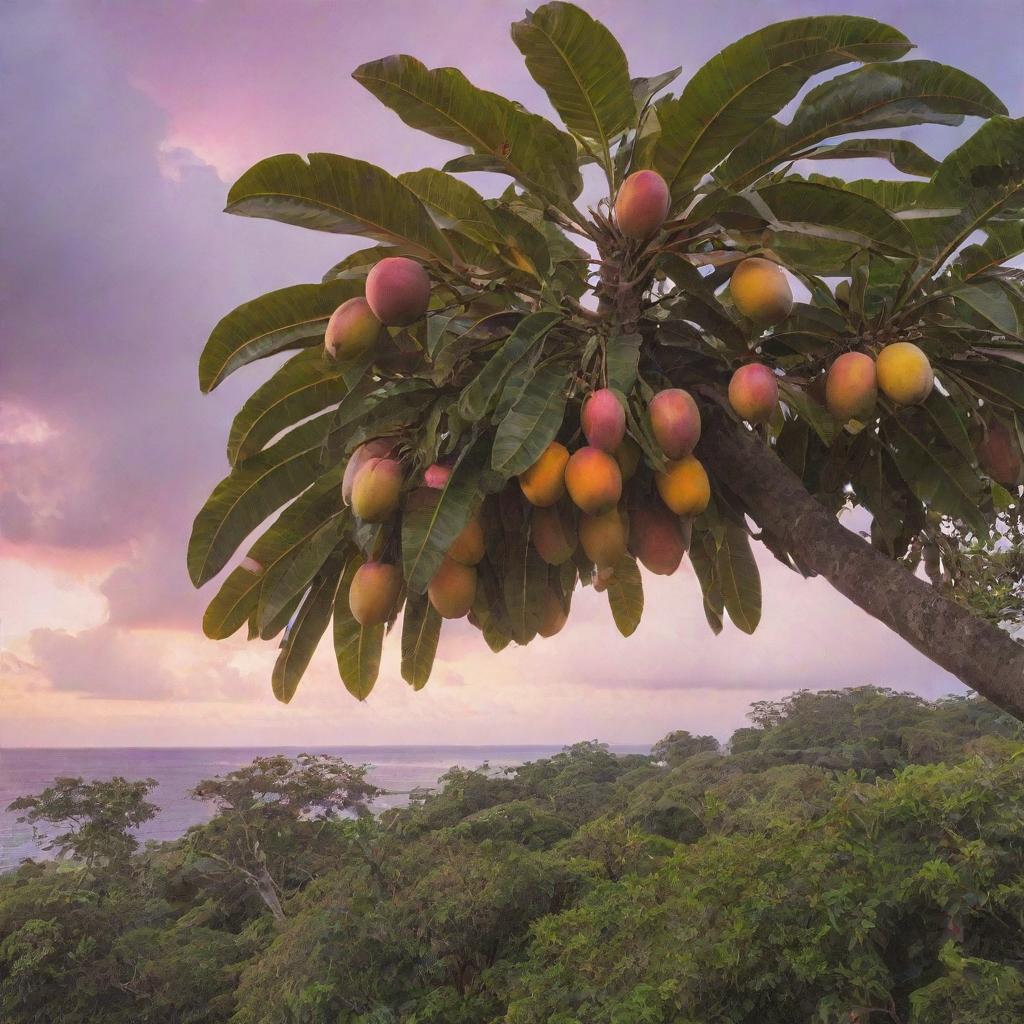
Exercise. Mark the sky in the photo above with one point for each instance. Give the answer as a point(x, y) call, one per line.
point(123, 125)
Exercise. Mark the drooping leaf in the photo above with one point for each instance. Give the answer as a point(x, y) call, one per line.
point(835, 214)
point(811, 411)
point(421, 629)
point(304, 633)
point(244, 498)
point(582, 68)
point(998, 380)
point(978, 180)
point(750, 81)
point(306, 384)
point(433, 519)
point(622, 354)
point(525, 587)
point(905, 156)
point(339, 194)
point(482, 392)
point(291, 574)
point(704, 569)
point(531, 423)
point(453, 203)
point(524, 246)
point(233, 604)
point(939, 475)
point(738, 576)
point(988, 301)
point(290, 532)
point(502, 135)
point(626, 595)
point(1003, 242)
point(358, 264)
point(357, 648)
point(867, 99)
point(288, 318)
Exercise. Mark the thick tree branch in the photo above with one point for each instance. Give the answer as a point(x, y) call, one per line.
point(975, 651)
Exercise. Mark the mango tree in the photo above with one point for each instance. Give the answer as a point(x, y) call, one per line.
point(502, 398)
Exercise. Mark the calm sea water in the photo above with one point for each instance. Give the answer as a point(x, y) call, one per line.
point(178, 770)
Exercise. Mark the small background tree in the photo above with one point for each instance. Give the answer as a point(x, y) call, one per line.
point(268, 807)
point(98, 818)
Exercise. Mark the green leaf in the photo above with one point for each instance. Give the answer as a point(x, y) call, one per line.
point(288, 318)
point(243, 499)
point(291, 574)
point(988, 301)
point(357, 648)
point(622, 355)
point(732, 95)
point(698, 302)
point(626, 595)
point(453, 204)
point(306, 384)
point(738, 576)
point(293, 529)
point(532, 422)
point(903, 155)
point(582, 68)
point(1003, 241)
point(704, 568)
point(433, 519)
point(304, 633)
point(999, 381)
point(233, 604)
point(480, 395)
point(527, 247)
point(358, 264)
point(812, 412)
point(502, 135)
point(945, 417)
point(938, 475)
point(835, 214)
point(646, 88)
point(341, 195)
point(421, 629)
point(979, 180)
point(525, 586)
point(868, 99)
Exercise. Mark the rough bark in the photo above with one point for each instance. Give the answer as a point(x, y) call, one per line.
point(977, 652)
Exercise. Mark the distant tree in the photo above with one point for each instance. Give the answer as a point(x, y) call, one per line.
point(97, 818)
point(869, 727)
point(677, 746)
point(268, 808)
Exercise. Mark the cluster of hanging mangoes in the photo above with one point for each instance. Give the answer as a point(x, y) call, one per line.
point(502, 397)
point(604, 520)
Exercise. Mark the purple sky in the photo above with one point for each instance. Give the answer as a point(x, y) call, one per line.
point(122, 125)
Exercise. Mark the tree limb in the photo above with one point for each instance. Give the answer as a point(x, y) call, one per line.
point(977, 652)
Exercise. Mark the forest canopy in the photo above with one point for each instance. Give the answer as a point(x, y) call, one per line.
point(848, 856)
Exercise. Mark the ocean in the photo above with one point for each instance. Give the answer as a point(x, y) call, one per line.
point(177, 770)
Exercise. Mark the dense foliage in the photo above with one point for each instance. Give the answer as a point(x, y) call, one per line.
point(525, 306)
point(851, 856)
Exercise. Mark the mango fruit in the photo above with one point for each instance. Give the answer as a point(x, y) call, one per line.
point(761, 292)
point(398, 291)
point(593, 479)
point(684, 486)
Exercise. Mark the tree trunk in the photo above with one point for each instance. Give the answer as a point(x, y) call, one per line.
point(264, 885)
point(977, 652)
